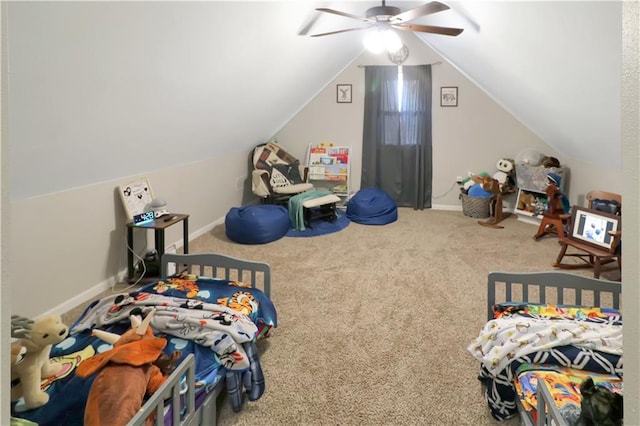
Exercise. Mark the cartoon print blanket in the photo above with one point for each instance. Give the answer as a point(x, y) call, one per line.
point(587, 339)
point(216, 320)
point(215, 326)
point(564, 385)
point(504, 339)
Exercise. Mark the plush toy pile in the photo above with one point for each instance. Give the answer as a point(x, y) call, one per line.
point(505, 175)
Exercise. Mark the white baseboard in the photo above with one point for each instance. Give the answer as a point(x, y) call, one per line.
point(86, 295)
point(446, 207)
point(121, 276)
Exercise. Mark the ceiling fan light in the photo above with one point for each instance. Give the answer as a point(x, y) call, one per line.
point(379, 41)
point(374, 42)
point(392, 42)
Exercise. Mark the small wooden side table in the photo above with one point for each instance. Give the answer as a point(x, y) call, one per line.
point(158, 225)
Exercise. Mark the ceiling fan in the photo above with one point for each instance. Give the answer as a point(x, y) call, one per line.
point(386, 17)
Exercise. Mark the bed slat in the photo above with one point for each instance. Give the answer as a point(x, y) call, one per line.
point(228, 265)
point(170, 388)
point(560, 281)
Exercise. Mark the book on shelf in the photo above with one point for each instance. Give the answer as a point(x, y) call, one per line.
point(329, 163)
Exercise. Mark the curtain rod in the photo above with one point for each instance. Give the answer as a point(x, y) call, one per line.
point(433, 63)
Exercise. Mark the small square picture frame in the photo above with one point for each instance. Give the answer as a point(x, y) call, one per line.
point(136, 196)
point(449, 96)
point(343, 93)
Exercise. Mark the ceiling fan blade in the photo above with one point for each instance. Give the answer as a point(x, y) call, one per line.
point(345, 14)
point(425, 9)
point(337, 32)
point(429, 29)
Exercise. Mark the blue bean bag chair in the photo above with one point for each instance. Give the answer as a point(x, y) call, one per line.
point(371, 206)
point(256, 224)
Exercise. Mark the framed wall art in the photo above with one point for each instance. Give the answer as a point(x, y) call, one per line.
point(343, 93)
point(449, 96)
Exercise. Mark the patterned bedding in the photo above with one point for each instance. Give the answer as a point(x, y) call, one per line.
point(218, 321)
point(564, 385)
point(583, 339)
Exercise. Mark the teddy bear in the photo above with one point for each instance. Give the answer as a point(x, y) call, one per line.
point(37, 336)
point(526, 202)
point(504, 175)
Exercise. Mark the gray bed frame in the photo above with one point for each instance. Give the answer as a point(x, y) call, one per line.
point(549, 287)
point(257, 274)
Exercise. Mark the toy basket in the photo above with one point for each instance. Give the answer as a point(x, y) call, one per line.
point(475, 206)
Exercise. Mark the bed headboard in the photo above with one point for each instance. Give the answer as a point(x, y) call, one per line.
point(551, 287)
point(258, 274)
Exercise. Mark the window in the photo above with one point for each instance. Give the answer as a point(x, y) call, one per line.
point(402, 116)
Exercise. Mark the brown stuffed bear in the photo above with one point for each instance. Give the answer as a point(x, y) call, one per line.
point(37, 337)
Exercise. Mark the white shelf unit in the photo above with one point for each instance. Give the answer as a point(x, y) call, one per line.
point(329, 168)
point(532, 181)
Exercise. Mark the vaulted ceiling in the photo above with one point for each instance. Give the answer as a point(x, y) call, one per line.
point(99, 77)
point(555, 65)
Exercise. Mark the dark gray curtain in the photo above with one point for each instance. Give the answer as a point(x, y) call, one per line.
point(396, 146)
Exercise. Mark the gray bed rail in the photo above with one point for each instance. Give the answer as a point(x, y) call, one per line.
point(220, 266)
point(552, 287)
point(549, 287)
point(171, 389)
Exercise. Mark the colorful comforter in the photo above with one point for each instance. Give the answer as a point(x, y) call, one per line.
point(587, 339)
point(564, 385)
point(218, 321)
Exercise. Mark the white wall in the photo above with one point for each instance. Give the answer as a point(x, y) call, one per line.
point(5, 287)
point(470, 137)
point(101, 90)
point(631, 163)
point(69, 245)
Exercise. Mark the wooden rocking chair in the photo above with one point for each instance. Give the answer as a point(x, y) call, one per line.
point(593, 252)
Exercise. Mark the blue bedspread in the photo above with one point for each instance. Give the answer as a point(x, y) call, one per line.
point(248, 311)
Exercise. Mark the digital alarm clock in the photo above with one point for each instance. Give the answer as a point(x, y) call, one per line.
point(144, 217)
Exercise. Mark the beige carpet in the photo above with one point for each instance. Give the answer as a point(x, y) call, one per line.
point(374, 321)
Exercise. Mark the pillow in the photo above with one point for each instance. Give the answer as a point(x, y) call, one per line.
point(277, 179)
point(290, 171)
point(607, 206)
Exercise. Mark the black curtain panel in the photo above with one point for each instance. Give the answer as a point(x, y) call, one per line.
point(396, 146)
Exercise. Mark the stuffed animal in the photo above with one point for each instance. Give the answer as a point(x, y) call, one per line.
point(469, 182)
point(530, 157)
point(506, 169)
point(37, 336)
point(125, 374)
point(550, 162)
point(526, 202)
point(557, 201)
point(17, 354)
point(599, 405)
